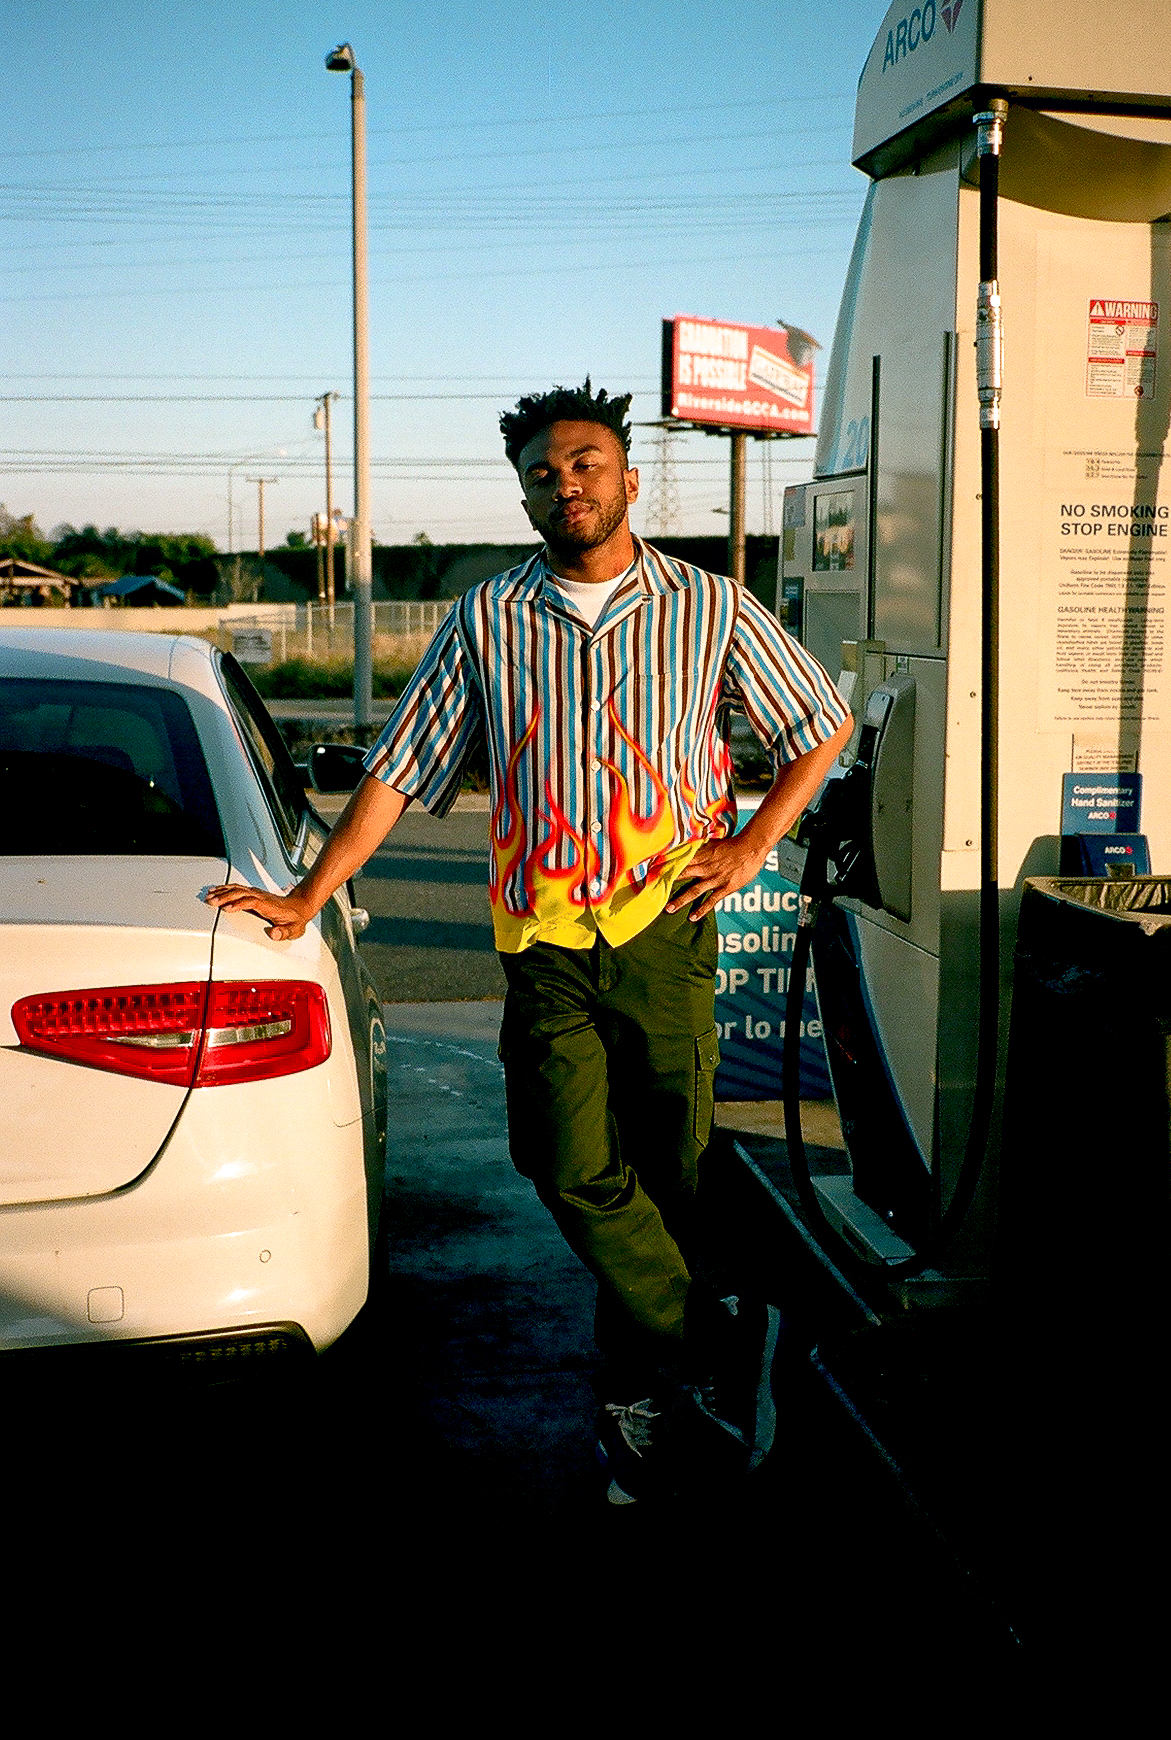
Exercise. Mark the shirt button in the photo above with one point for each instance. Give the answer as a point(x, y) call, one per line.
point(595, 828)
point(595, 764)
point(595, 706)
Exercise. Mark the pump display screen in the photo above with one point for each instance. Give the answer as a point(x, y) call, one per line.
point(833, 532)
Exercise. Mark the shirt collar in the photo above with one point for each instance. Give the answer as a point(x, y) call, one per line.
point(637, 585)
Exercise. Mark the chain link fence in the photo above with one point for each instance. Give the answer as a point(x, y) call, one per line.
point(317, 631)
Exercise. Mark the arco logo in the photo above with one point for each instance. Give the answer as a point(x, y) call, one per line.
point(916, 28)
point(950, 13)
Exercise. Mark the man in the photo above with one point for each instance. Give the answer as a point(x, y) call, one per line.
point(597, 671)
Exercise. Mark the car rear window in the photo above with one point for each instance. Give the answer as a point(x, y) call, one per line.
point(102, 768)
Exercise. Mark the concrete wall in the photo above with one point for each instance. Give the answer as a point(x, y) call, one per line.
point(159, 619)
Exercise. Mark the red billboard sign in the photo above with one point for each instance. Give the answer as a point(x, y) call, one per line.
point(727, 376)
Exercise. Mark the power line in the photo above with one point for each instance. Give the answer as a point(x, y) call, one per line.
point(237, 398)
point(429, 162)
point(576, 269)
point(438, 206)
point(291, 463)
point(317, 378)
point(123, 147)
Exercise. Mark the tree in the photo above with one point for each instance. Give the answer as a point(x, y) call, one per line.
point(297, 541)
point(90, 554)
point(241, 579)
point(22, 537)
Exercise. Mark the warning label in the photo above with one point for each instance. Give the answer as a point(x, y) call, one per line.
point(1122, 342)
point(1105, 594)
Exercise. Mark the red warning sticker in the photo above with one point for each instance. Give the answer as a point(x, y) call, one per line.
point(1122, 345)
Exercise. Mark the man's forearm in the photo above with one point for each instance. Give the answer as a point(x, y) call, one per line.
point(355, 837)
point(795, 784)
point(721, 866)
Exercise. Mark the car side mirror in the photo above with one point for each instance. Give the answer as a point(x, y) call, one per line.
point(335, 767)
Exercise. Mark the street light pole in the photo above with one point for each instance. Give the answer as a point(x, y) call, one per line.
point(321, 420)
point(361, 572)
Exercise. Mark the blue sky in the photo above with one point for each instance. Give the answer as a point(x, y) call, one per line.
point(545, 185)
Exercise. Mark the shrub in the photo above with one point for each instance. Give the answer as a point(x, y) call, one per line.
point(321, 679)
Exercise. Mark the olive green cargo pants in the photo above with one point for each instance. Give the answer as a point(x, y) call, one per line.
point(609, 1058)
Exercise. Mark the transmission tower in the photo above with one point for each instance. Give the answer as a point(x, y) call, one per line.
point(662, 508)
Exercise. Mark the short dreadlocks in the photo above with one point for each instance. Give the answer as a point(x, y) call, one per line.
point(535, 411)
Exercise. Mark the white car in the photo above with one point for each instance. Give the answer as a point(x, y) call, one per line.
point(192, 1117)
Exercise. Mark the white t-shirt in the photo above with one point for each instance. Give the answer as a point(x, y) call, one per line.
point(590, 597)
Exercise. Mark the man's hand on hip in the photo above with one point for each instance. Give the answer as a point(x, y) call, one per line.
point(722, 866)
point(718, 868)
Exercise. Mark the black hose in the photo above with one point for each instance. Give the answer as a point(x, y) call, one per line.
point(815, 887)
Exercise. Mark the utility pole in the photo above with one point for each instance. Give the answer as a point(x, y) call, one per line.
point(736, 543)
point(318, 530)
point(260, 483)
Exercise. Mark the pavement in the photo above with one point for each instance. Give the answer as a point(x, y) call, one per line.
point(426, 890)
point(489, 1317)
point(493, 1309)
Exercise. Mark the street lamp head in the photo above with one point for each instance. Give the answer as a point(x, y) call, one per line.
point(341, 59)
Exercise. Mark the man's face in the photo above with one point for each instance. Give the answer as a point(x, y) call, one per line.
point(577, 488)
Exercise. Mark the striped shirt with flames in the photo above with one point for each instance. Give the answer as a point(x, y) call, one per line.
point(609, 765)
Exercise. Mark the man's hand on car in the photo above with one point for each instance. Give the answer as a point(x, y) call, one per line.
point(287, 915)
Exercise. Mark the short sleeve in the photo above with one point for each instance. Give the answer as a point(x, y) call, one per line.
point(788, 697)
point(426, 741)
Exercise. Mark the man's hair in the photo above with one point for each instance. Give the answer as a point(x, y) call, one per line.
point(535, 411)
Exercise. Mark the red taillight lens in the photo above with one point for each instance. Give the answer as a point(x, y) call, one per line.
point(201, 1035)
point(275, 1028)
point(148, 1030)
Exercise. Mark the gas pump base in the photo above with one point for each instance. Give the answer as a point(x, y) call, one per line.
point(861, 1228)
point(865, 1232)
point(1033, 1473)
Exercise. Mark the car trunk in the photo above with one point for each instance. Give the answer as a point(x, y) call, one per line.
point(67, 1128)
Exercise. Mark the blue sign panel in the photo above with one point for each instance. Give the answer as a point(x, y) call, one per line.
point(1115, 855)
point(758, 930)
point(1101, 803)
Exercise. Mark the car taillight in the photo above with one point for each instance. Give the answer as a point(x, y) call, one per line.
point(256, 1030)
point(154, 1031)
point(188, 1035)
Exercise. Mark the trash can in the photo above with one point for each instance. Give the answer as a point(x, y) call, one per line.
point(1085, 1188)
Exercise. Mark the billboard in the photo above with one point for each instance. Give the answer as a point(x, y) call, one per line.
point(726, 376)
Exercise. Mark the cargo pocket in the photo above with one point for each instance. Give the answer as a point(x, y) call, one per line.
point(707, 1059)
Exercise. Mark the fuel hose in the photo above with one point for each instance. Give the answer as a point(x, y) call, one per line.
point(816, 887)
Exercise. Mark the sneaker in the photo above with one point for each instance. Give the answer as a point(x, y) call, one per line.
point(732, 1341)
point(626, 1440)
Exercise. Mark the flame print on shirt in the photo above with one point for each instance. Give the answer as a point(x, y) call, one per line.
point(553, 891)
point(635, 841)
point(508, 844)
point(717, 818)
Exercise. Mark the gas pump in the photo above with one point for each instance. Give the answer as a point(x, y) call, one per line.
point(995, 598)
